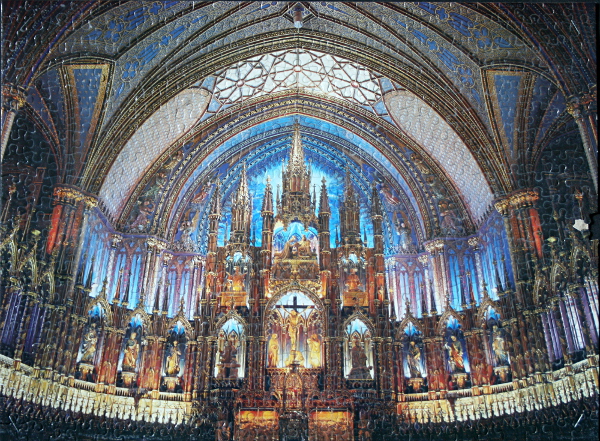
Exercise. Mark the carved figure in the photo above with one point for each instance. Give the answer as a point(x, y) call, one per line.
point(314, 345)
point(236, 281)
point(273, 352)
point(303, 246)
point(132, 350)
point(358, 358)
point(414, 360)
point(353, 281)
point(140, 223)
point(499, 348)
point(90, 341)
point(172, 365)
point(294, 321)
point(404, 233)
point(455, 355)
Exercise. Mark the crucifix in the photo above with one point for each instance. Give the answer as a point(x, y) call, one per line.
point(293, 323)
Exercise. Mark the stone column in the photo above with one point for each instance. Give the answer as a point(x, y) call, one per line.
point(436, 249)
point(523, 229)
point(583, 109)
point(13, 99)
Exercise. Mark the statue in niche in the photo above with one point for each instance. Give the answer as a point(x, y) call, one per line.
point(90, 341)
point(296, 249)
point(229, 365)
point(187, 228)
point(353, 281)
point(403, 228)
point(132, 350)
point(314, 345)
point(499, 348)
point(145, 209)
point(358, 358)
point(172, 364)
point(449, 224)
point(273, 352)
point(159, 182)
point(455, 355)
point(293, 323)
point(414, 360)
point(304, 249)
point(236, 281)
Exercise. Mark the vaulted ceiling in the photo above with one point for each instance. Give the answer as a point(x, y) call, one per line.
point(431, 101)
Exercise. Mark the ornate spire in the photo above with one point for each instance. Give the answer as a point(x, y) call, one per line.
point(267, 206)
point(350, 214)
point(296, 162)
point(324, 200)
point(241, 211)
point(296, 203)
point(499, 287)
point(376, 202)
point(215, 206)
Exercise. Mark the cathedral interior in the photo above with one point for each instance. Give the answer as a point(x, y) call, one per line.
point(298, 221)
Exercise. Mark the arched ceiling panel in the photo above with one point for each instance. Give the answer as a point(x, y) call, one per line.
point(436, 136)
point(451, 39)
point(155, 135)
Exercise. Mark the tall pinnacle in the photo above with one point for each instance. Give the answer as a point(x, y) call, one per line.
point(324, 202)
point(267, 206)
point(296, 161)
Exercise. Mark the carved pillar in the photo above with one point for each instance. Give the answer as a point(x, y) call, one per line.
point(208, 372)
point(13, 100)
point(398, 368)
point(523, 229)
point(574, 292)
point(110, 356)
point(480, 369)
point(424, 259)
point(436, 249)
point(583, 109)
point(260, 368)
point(115, 240)
point(474, 243)
point(189, 368)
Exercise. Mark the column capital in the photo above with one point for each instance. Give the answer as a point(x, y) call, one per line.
point(516, 200)
point(579, 105)
point(474, 242)
point(14, 96)
point(74, 196)
point(435, 245)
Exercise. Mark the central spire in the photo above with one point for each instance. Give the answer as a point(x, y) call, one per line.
point(296, 162)
point(296, 203)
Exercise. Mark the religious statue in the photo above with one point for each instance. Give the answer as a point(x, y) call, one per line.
point(455, 355)
point(88, 347)
point(235, 281)
point(296, 249)
point(293, 322)
point(132, 349)
point(145, 209)
point(499, 348)
point(314, 345)
point(187, 229)
point(303, 246)
point(414, 360)
point(273, 352)
point(358, 358)
point(229, 364)
point(404, 235)
point(172, 365)
point(353, 281)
